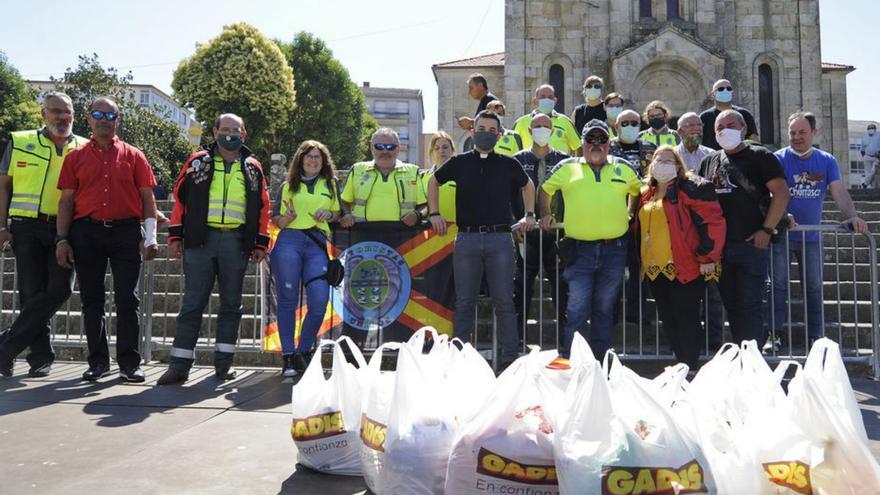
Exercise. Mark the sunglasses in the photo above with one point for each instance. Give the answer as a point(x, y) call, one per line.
point(629, 123)
point(725, 88)
point(596, 139)
point(385, 147)
point(99, 115)
point(593, 86)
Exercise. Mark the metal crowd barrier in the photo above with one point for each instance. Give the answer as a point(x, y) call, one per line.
point(849, 312)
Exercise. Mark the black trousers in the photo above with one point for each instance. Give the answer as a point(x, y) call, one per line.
point(43, 286)
point(93, 246)
point(679, 308)
point(534, 255)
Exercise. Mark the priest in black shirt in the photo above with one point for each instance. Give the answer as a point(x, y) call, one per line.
point(483, 180)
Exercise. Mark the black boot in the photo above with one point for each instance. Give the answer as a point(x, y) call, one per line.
point(288, 369)
point(224, 371)
point(301, 362)
point(173, 376)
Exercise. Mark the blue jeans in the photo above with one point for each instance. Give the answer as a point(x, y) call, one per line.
point(297, 259)
point(809, 257)
point(594, 282)
point(492, 254)
point(743, 272)
point(220, 257)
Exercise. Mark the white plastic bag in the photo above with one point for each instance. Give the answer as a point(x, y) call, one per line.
point(508, 447)
point(326, 412)
point(819, 397)
point(378, 389)
point(620, 439)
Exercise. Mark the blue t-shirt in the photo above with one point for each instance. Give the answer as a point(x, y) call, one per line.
point(807, 179)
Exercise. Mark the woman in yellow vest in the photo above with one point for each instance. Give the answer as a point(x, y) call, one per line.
point(440, 149)
point(656, 115)
point(306, 204)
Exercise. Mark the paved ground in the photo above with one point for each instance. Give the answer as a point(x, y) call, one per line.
point(62, 435)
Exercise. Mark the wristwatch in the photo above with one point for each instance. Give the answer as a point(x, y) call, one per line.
point(530, 214)
point(769, 231)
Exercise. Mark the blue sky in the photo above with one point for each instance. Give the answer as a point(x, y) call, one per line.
point(391, 43)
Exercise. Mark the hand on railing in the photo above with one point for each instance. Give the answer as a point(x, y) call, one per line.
point(547, 222)
point(856, 224)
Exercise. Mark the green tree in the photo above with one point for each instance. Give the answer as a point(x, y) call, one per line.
point(18, 107)
point(148, 129)
point(331, 108)
point(242, 72)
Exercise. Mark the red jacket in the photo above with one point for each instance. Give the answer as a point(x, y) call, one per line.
point(696, 226)
point(190, 214)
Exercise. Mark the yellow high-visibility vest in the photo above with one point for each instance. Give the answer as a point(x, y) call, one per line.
point(34, 166)
point(227, 196)
point(365, 174)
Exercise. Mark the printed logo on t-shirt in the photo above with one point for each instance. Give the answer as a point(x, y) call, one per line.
point(806, 185)
point(721, 181)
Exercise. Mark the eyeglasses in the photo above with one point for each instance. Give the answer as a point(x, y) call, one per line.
point(593, 86)
point(385, 147)
point(314, 157)
point(725, 88)
point(629, 123)
point(596, 139)
point(99, 115)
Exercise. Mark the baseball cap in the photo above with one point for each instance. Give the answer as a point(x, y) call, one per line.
point(593, 125)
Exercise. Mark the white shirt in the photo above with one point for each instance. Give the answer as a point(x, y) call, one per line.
point(692, 160)
point(871, 144)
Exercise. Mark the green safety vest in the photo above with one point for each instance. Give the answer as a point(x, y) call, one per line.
point(365, 175)
point(227, 195)
point(30, 161)
point(671, 138)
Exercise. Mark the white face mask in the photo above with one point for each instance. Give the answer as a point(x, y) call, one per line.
point(664, 171)
point(629, 134)
point(613, 112)
point(870, 132)
point(541, 135)
point(729, 138)
point(592, 93)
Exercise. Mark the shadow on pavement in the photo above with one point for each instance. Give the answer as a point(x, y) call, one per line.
point(305, 481)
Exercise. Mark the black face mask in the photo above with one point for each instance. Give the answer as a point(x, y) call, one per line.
point(657, 123)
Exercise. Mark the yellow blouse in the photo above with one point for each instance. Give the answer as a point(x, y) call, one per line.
point(656, 248)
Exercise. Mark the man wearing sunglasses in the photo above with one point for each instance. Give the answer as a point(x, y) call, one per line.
point(385, 189)
point(599, 194)
point(564, 139)
point(722, 95)
point(220, 220)
point(106, 192)
point(29, 202)
point(483, 181)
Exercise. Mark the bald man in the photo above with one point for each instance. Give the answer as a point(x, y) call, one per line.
point(722, 94)
point(220, 220)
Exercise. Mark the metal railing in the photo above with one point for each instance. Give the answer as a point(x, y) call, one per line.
point(849, 316)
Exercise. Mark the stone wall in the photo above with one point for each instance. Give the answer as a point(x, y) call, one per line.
point(454, 101)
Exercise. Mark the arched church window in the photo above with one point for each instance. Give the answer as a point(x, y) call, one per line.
point(672, 9)
point(557, 80)
point(765, 104)
point(645, 8)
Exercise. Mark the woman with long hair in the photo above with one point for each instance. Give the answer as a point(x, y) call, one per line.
point(682, 235)
point(308, 202)
point(440, 149)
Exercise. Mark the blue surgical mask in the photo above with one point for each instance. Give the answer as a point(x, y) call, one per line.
point(629, 134)
point(723, 96)
point(545, 105)
point(613, 112)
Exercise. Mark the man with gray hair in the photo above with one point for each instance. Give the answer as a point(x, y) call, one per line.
point(384, 189)
point(565, 137)
point(690, 128)
point(29, 198)
point(753, 194)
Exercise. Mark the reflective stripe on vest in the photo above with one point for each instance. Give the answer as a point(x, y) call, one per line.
point(29, 166)
point(659, 139)
point(406, 175)
point(227, 196)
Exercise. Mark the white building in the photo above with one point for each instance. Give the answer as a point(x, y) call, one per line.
point(402, 110)
point(151, 97)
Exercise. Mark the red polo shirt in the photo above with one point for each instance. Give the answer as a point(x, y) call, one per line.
point(107, 183)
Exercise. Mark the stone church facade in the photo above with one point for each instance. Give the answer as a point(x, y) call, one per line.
point(671, 50)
